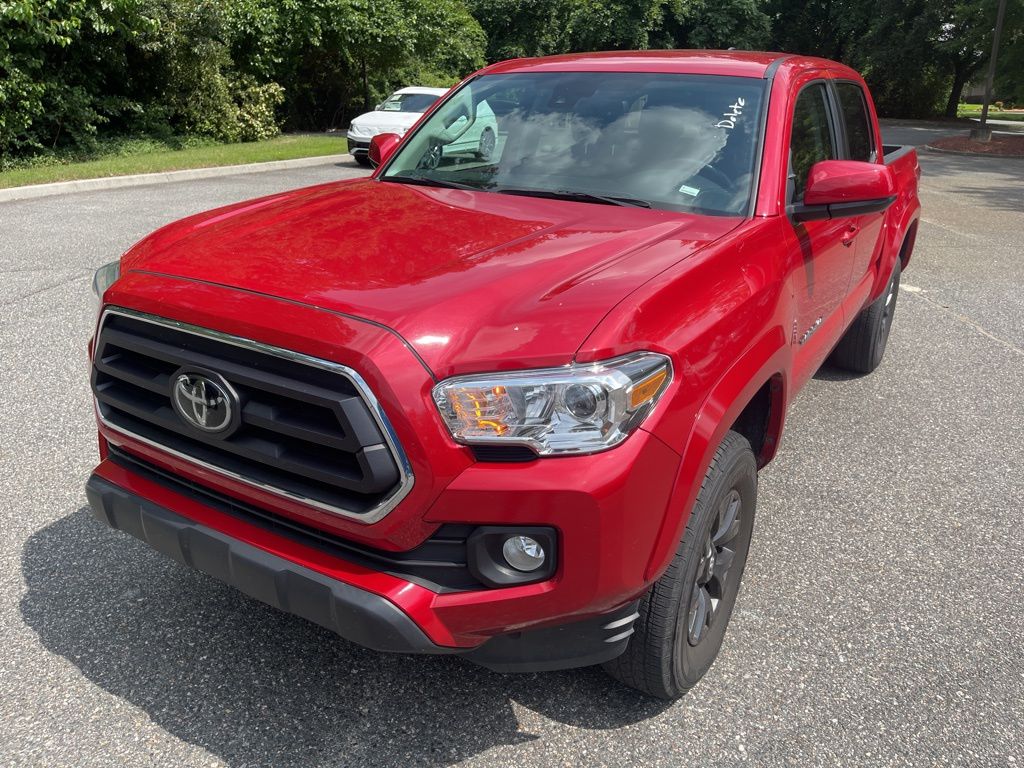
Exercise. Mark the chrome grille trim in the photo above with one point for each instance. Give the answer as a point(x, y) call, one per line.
point(375, 513)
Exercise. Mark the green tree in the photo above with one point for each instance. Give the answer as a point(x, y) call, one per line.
point(739, 24)
point(964, 44)
point(62, 69)
point(337, 57)
point(519, 28)
point(916, 55)
point(538, 27)
point(1009, 85)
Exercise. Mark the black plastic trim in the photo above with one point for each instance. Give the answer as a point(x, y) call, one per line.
point(487, 564)
point(801, 212)
point(439, 564)
point(893, 152)
point(577, 644)
point(504, 453)
point(355, 614)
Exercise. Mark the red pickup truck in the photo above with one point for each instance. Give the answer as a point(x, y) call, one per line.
point(510, 402)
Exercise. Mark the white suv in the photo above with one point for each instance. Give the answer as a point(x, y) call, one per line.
point(396, 114)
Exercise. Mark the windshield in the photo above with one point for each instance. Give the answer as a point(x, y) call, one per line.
point(675, 142)
point(408, 102)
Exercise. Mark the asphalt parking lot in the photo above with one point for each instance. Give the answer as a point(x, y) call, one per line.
point(880, 621)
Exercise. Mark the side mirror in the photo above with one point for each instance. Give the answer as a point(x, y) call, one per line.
point(837, 188)
point(382, 146)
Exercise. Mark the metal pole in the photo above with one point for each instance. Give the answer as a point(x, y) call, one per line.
point(992, 62)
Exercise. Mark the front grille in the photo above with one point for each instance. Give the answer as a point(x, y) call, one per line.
point(309, 430)
point(439, 563)
point(504, 453)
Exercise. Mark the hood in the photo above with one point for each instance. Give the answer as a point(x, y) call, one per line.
point(474, 281)
point(372, 123)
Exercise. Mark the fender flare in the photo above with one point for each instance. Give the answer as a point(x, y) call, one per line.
point(899, 246)
point(766, 361)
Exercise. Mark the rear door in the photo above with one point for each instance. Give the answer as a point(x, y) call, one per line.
point(821, 278)
point(858, 143)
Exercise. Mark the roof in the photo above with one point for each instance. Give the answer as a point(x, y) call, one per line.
point(696, 62)
point(423, 89)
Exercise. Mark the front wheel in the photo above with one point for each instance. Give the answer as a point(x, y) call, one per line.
point(684, 615)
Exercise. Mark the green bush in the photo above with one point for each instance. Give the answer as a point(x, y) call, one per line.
point(257, 110)
point(74, 73)
point(61, 70)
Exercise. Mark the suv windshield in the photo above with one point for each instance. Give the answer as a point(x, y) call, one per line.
point(675, 142)
point(408, 102)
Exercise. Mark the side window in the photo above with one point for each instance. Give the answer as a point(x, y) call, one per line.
point(855, 116)
point(812, 139)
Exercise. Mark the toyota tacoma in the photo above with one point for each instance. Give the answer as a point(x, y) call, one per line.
point(510, 405)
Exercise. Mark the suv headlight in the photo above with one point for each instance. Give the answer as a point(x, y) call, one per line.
point(104, 278)
point(571, 410)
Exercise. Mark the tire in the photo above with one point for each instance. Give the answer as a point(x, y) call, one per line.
point(863, 345)
point(487, 143)
point(363, 160)
point(673, 646)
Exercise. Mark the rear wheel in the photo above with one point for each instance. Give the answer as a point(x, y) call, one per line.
point(684, 615)
point(863, 344)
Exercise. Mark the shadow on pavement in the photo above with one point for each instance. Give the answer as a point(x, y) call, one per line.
point(829, 372)
point(1002, 189)
point(257, 687)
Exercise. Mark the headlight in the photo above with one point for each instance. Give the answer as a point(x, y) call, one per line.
point(104, 278)
point(571, 410)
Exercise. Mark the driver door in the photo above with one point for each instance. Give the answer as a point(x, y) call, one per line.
point(822, 249)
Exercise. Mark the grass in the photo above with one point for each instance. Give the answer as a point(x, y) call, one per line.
point(974, 110)
point(147, 156)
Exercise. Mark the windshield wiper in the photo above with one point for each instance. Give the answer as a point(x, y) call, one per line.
point(569, 194)
point(430, 181)
point(554, 194)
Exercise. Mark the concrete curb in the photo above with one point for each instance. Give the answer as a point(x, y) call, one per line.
point(167, 177)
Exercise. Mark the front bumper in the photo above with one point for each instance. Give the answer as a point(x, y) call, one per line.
point(355, 614)
point(608, 509)
point(358, 145)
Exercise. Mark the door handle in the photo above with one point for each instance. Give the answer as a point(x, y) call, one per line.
point(847, 237)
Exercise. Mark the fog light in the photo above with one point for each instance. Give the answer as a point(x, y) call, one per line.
point(523, 553)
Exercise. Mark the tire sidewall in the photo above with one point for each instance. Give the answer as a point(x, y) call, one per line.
point(893, 286)
point(690, 663)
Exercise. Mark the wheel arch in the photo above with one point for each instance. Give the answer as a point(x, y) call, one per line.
point(760, 420)
point(901, 246)
point(753, 394)
point(909, 240)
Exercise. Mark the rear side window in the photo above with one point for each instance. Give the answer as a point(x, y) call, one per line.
point(855, 117)
point(812, 140)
